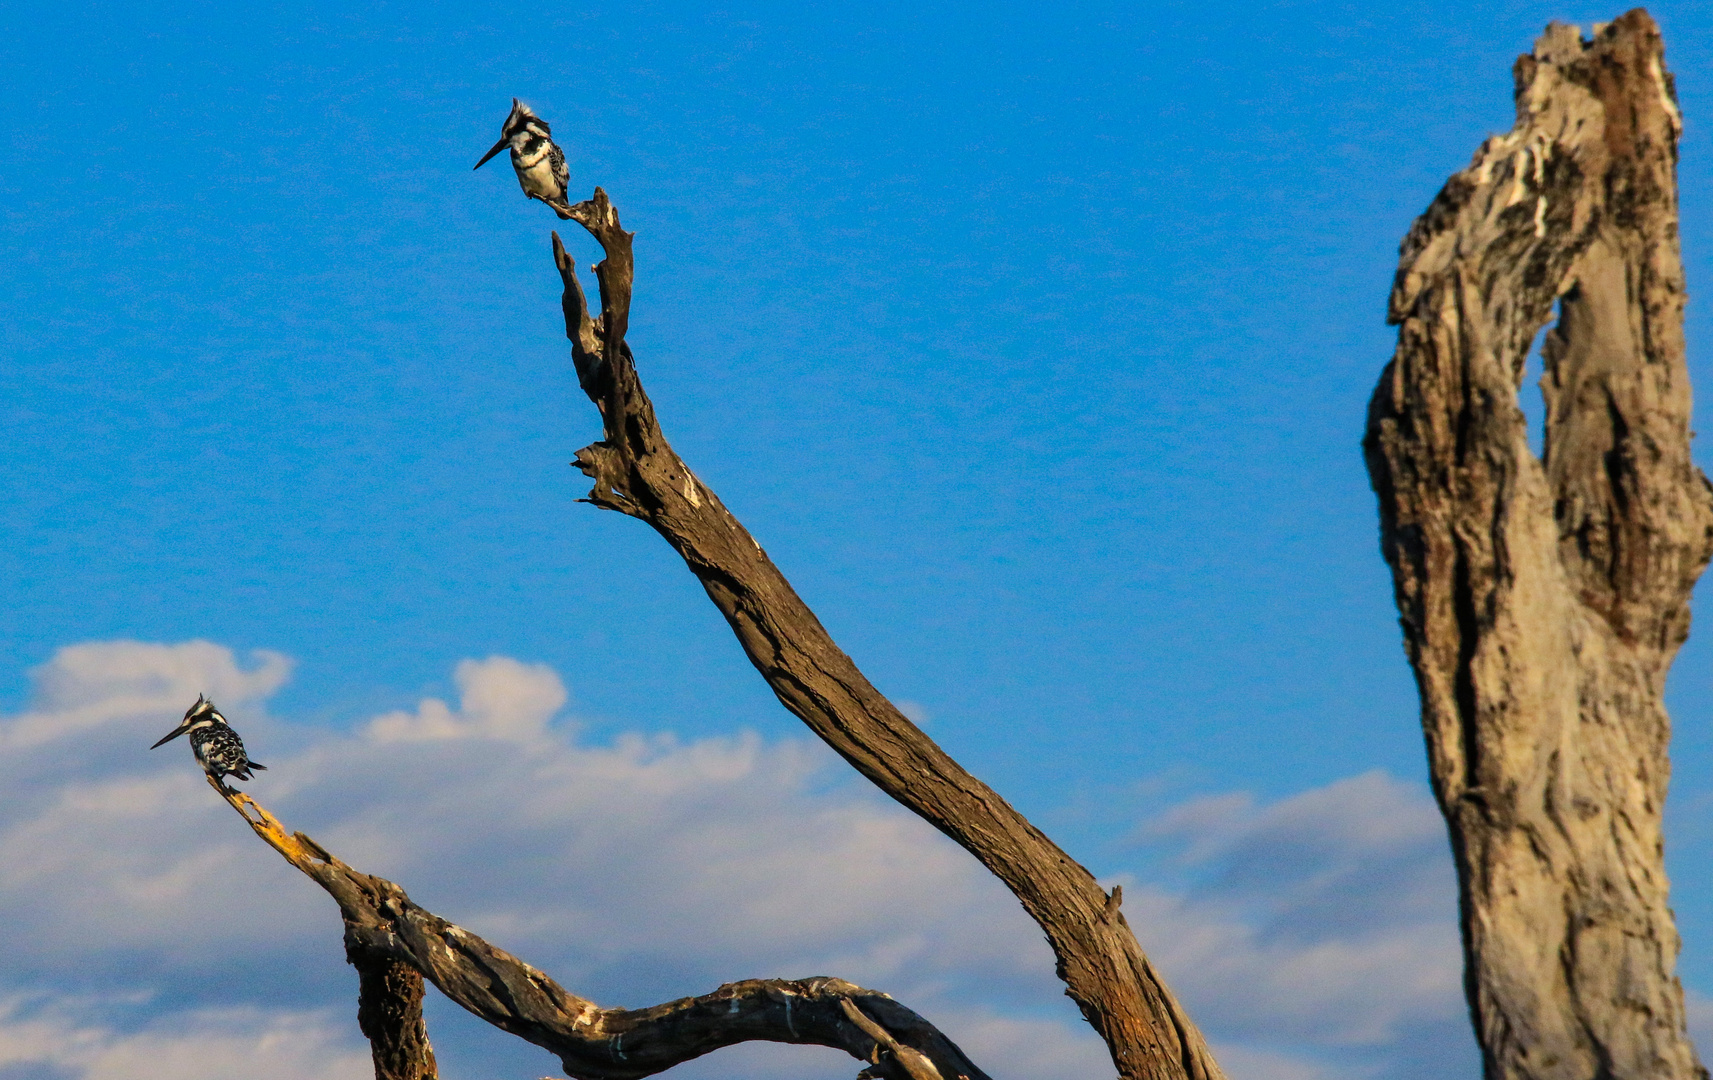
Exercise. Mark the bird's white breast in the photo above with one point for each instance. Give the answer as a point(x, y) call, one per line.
point(535, 173)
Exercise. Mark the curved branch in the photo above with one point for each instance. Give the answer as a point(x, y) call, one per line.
point(636, 472)
point(611, 1044)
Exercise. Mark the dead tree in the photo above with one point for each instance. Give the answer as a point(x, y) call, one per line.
point(394, 944)
point(636, 472)
point(1543, 600)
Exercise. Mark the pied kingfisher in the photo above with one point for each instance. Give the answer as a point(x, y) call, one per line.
point(217, 747)
point(539, 162)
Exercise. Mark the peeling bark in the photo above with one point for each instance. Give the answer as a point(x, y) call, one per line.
point(636, 472)
point(1542, 601)
point(386, 932)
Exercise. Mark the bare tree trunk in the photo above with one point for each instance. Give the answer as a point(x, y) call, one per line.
point(1542, 601)
point(389, 1013)
point(636, 472)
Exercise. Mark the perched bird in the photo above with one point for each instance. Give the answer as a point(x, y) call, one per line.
point(539, 162)
point(216, 746)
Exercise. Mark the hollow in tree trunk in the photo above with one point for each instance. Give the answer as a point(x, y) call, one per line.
point(1542, 600)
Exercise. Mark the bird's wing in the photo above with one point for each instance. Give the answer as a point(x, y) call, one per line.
point(556, 158)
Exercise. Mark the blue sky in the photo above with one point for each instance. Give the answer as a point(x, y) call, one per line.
point(1033, 343)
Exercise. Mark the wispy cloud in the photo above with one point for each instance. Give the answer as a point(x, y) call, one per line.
point(1329, 915)
point(88, 686)
point(63, 1037)
point(1319, 932)
point(648, 868)
point(1699, 1010)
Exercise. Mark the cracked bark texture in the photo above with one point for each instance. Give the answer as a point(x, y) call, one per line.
point(389, 1013)
point(636, 472)
point(1542, 600)
point(394, 944)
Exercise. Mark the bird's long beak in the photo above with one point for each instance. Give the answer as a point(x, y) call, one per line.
point(501, 145)
point(175, 733)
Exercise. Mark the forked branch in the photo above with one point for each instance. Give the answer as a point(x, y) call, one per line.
point(384, 931)
point(636, 472)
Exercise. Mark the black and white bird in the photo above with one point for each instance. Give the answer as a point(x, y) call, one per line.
point(217, 747)
point(539, 162)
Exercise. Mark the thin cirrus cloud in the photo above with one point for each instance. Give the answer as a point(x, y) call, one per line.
point(1336, 910)
point(1324, 920)
point(1312, 939)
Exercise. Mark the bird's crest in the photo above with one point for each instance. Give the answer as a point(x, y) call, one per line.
point(523, 118)
point(204, 707)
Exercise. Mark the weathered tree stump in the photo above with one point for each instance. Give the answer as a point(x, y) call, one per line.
point(1543, 600)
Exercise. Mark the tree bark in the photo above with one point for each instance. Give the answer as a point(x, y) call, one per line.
point(636, 472)
point(1542, 601)
point(394, 943)
point(389, 1013)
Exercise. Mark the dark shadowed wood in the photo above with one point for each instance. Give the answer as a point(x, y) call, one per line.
point(383, 927)
point(389, 1012)
point(1542, 601)
point(636, 472)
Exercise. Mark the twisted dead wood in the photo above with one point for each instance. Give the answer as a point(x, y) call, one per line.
point(387, 931)
point(1542, 601)
point(636, 472)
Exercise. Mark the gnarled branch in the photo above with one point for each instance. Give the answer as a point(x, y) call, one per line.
point(1542, 601)
point(383, 927)
point(636, 472)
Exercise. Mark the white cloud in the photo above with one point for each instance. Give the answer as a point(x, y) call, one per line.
point(86, 686)
point(636, 871)
point(1327, 916)
point(1699, 1013)
point(201, 1045)
point(649, 868)
point(499, 698)
point(1023, 1047)
point(1247, 1063)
